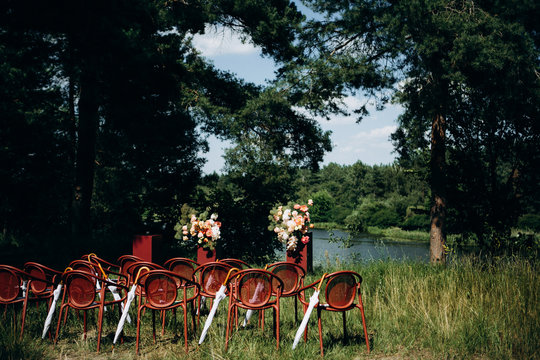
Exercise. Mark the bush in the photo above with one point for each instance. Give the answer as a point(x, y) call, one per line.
point(353, 222)
point(416, 222)
point(384, 218)
point(529, 222)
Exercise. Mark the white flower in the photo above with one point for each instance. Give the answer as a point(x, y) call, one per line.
point(286, 215)
point(291, 244)
point(214, 216)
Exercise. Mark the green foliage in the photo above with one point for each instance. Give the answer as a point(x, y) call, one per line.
point(416, 222)
point(111, 105)
point(344, 188)
point(471, 66)
point(529, 222)
point(323, 204)
point(354, 222)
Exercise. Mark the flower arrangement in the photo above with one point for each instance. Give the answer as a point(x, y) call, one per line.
point(203, 232)
point(291, 224)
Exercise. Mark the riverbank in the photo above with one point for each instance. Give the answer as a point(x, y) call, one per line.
point(471, 308)
point(394, 233)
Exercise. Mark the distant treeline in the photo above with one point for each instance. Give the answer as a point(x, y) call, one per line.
point(358, 196)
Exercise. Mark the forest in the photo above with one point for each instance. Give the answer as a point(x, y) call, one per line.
point(105, 108)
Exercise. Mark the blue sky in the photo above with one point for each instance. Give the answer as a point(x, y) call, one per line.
point(367, 141)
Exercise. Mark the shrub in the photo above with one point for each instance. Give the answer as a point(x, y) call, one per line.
point(385, 217)
point(416, 222)
point(529, 222)
point(353, 222)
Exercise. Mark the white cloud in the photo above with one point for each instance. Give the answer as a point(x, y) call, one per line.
point(371, 147)
point(376, 134)
point(222, 41)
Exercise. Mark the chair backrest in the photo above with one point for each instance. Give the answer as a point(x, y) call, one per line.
point(255, 287)
point(341, 288)
point(10, 283)
point(38, 271)
point(80, 288)
point(181, 266)
point(211, 276)
point(237, 263)
point(125, 261)
point(84, 265)
point(94, 258)
point(161, 287)
point(291, 274)
point(133, 269)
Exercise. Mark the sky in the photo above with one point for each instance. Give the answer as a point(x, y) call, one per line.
point(367, 141)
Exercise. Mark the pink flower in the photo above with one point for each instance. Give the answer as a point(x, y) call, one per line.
point(310, 202)
point(305, 239)
point(297, 206)
point(303, 208)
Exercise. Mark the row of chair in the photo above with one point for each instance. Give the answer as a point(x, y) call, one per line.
point(94, 283)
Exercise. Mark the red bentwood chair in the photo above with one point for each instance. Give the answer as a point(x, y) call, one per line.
point(210, 277)
point(181, 266)
point(41, 287)
point(166, 290)
point(17, 286)
point(254, 289)
point(340, 293)
point(292, 276)
point(125, 261)
point(80, 293)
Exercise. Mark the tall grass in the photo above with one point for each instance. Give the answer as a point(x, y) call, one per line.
point(468, 309)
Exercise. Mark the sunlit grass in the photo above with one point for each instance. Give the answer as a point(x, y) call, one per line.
point(468, 309)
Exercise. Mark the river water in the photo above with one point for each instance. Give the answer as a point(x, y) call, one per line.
point(364, 247)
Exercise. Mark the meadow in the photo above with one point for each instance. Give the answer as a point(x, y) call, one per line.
point(470, 308)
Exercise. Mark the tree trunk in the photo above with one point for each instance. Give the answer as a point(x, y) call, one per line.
point(437, 234)
point(85, 157)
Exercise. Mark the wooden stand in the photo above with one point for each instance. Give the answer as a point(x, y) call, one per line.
point(205, 255)
point(303, 255)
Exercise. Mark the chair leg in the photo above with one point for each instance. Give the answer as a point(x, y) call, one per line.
point(163, 322)
point(59, 322)
point(84, 321)
point(25, 305)
point(100, 325)
point(361, 307)
point(193, 326)
point(295, 309)
point(319, 311)
point(306, 329)
point(65, 317)
point(344, 326)
point(229, 318)
point(154, 324)
point(277, 326)
point(184, 306)
point(138, 330)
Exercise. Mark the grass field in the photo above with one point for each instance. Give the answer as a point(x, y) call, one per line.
point(468, 309)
